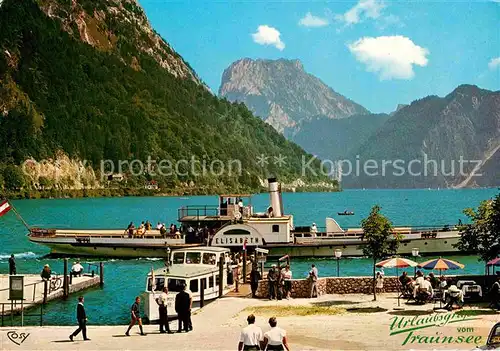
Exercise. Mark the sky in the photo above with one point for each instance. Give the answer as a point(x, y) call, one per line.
point(377, 53)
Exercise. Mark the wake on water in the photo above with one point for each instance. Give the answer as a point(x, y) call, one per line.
point(28, 255)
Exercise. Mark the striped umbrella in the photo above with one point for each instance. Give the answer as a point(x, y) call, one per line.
point(440, 264)
point(396, 262)
point(494, 262)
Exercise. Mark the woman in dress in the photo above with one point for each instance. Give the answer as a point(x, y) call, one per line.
point(379, 282)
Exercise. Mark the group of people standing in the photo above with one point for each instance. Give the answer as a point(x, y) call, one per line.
point(183, 306)
point(252, 338)
point(279, 282)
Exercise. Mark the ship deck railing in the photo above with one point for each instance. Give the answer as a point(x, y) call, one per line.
point(94, 233)
point(420, 231)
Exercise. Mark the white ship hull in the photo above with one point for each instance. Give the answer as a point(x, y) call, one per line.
point(443, 243)
point(107, 243)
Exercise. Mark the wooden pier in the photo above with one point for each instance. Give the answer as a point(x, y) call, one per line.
point(38, 291)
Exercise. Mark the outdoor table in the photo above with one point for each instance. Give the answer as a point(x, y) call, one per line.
point(461, 283)
point(460, 295)
point(467, 289)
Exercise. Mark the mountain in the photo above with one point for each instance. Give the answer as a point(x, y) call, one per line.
point(335, 139)
point(88, 84)
point(283, 94)
point(451, 141)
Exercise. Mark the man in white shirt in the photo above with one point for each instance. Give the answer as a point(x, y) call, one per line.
point(251, 336)
point(77, 269)
point(163, 313)
point(275, 339)
point(287, 278)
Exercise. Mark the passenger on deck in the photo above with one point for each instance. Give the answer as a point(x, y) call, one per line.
point(314, 229)
point(148, 225)
point(223, 208)
point(46, 272)
point(172, 229)
point(131, 229)
point(158, 226)
point(270, 212)
point(141, 230)
point(240, 205)
point(163, 230)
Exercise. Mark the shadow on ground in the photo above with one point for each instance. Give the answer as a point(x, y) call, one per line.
point(409, 313)
point(366, 309)
point(334, 303)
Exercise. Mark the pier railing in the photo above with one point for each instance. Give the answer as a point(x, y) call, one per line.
point(13, 310)
point(197, 211)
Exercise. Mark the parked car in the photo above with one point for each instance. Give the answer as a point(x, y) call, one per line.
point(493, 342)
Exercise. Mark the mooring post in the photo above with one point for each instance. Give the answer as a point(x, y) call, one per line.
point(244, 266)
point(45, 291)
point(22, 313)
point(65, 280)
point(101, 273)
point(202, 293)
point(221, 275)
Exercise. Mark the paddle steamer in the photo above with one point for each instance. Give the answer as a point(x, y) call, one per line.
point(233, 223)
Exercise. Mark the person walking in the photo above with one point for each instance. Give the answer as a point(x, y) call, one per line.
point(135, 316)
point(313, 277)
point(183, 309)
point(254, 280)
point(12, 265)
point(163, 312)
point(81, 316)
point(251, 336)
point(275, 339)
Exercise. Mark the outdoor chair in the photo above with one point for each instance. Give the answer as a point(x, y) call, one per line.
point(423, 296)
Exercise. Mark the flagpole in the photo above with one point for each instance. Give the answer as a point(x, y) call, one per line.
point(20, 217)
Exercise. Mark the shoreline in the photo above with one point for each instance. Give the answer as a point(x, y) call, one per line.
point(138, 192)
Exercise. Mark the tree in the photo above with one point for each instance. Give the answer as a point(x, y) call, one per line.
point(13, 177)
point(378, 239)
point(483, 234)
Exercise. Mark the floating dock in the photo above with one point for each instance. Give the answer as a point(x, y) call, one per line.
point(35, 292)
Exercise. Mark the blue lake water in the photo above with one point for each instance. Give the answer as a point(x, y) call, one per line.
point(124, 279)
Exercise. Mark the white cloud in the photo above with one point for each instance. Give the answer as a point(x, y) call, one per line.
point(362, 10)
point(266, 35)
point(309, 20)
point(391, 57)
point(494, 63)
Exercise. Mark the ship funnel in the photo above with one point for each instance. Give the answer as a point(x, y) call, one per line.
point(275, 197)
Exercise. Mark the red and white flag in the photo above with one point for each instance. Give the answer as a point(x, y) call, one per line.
point(4, 207)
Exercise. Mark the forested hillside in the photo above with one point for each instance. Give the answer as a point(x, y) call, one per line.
point(80, 79)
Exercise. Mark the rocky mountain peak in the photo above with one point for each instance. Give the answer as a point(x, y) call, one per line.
point(283, 94)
